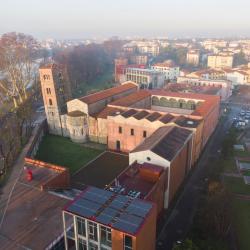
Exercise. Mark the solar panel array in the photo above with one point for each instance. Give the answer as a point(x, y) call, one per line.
point(119, 212)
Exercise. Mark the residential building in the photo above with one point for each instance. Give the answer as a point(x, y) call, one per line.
point(225, 85)
point(220, 61)
point(208, 74)
point(120, 65)
point(139, 59)
point(170, 70)
point(193, 57)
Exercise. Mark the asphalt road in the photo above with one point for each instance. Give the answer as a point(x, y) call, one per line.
point(178, 223)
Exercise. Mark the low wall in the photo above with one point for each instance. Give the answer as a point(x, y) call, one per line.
point(61, 180)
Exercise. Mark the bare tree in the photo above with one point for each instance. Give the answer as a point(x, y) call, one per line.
point(17, 63)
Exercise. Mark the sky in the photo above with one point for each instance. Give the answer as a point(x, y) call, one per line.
point(73, 19)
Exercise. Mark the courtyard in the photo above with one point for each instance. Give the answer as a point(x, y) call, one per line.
point(62, 151)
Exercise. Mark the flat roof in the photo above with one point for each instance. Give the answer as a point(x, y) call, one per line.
point(33, 219)
point(116, 211)
point(101, 171)
point(103, 94)
point(133, 183)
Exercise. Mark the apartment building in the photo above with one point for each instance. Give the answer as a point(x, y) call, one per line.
point(168, 67)
point(145, 78)
point(193, 57)
point(224, 60)
point(225, 85)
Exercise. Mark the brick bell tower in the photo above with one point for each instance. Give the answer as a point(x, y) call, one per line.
point(56, 92)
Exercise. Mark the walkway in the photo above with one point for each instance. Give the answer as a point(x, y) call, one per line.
point(14, 175)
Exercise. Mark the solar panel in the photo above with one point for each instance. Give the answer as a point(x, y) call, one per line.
point(107, 215)
point(123, 213)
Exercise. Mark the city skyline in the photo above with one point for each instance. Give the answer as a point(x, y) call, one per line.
point(84, 19)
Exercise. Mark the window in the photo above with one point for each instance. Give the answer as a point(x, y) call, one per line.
point(128, 242)
point(132, 132)
point(144, 134)
point(92, 229)
point(81, 227)
point(46, 77)
point(50, 102)
point(82, 244)
point(93, 246)
point(48, 90)
point(120, 130)
point(106, 236)
point(148, 159)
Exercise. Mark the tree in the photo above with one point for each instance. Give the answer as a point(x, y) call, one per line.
point(17, 55)
point(9, 143)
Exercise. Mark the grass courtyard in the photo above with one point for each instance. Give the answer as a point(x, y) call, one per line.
point(62, 151)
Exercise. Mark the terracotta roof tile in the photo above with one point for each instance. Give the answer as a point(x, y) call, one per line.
point(107, 93)
point(131, 99)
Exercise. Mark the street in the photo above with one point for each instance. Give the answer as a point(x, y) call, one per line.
point(178, 223)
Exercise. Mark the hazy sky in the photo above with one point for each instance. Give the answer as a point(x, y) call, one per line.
point(98, 18)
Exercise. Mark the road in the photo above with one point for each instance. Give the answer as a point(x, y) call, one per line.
point(178, 222)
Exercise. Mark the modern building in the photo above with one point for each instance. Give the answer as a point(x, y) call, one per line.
point(145, 78)
point(100, 219)
point(193, 57)
point(170, 70)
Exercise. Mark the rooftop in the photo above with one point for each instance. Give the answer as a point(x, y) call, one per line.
point(30, 214)
point(98, 96)
point(101, 171)
point(119, 212)
point(165, 142)
point(137, 181)
point(187, 122)
point(131, 99)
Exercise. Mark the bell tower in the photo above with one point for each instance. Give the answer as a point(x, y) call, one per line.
point(56, 92)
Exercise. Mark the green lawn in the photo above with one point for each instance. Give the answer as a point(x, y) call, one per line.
point(62, 151)
point(237, 185)
point(241, 219)
point(238, 153)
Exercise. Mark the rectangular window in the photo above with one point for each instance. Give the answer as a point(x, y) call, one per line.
point(120, 130)
point(144, 133)
point(93, 246)
point(106, 236)
point(128, 242)
point(92, 230)
point(48, 91)
point(81, 227)
point(82, 244)
point(132, 132)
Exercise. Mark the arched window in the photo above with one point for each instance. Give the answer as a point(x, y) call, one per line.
point(50, 102)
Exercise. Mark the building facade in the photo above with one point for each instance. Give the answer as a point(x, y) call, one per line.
point(220, 61)
point(170, 70)
point(145, 78)
point(193, 57)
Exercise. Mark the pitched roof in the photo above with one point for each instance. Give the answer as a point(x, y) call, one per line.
point(108, 111)
point(165, 142)
point(131, 99)
point(92, 98)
